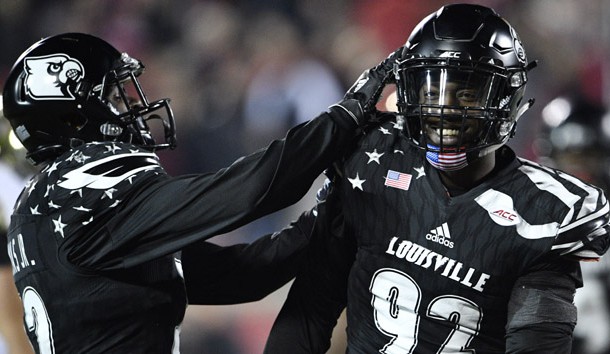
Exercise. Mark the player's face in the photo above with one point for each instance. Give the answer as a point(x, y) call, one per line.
point(445, 105)
point(115, 99)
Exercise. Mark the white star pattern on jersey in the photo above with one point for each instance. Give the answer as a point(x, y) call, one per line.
point(374, 156)
point(59, 226)
point(356, 182)
point(420, 172)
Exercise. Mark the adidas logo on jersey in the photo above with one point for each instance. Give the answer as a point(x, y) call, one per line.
point(441, 235)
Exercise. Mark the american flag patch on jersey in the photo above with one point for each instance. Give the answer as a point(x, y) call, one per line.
point(398, 180)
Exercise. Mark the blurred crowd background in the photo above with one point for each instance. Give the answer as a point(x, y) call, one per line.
point(241, 72)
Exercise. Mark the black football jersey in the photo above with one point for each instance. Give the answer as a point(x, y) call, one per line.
point(94, 239)
point(434, 273)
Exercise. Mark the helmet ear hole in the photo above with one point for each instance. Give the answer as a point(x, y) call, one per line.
point(20, 90)
point(76, 122)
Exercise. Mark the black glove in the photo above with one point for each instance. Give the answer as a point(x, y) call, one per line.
point(360, 100)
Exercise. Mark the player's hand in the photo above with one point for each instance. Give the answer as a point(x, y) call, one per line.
point(360, 100)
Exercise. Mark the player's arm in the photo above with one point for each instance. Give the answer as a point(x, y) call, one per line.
point(584, 234)
point(168, 214)
point(588, 241)
point(217, 275)
point(318, 295)
point(541, 311)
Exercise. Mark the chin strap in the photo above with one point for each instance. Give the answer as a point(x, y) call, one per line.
point(524, 108)
point(531, 101)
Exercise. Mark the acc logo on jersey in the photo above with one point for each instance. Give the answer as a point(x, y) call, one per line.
point(500, 207)
point(505, 217)
point(52, 77)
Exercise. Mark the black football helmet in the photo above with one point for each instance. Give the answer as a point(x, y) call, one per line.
point(75, 88)
point(460, 82)
point(575, 138)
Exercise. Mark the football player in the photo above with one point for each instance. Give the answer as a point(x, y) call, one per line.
point(12, 173)
point(95, 236)
point(575, 138)
point(432, 234)
point(12, 334)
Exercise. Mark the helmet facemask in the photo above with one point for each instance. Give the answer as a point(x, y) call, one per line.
point(472, 66)
point(456, 109)
point(137, 120)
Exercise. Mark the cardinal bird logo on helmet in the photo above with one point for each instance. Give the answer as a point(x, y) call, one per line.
point(52, 77)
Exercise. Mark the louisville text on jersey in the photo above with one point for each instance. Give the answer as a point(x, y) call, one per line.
point(428, 259)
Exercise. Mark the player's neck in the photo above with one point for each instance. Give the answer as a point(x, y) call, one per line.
point(470, 176)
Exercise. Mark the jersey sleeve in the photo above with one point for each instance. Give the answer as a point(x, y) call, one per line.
point(546, 338)
point(318, 295)
point(162, 215)
point(584, 234)
point(217, 275)
point(541, 311)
